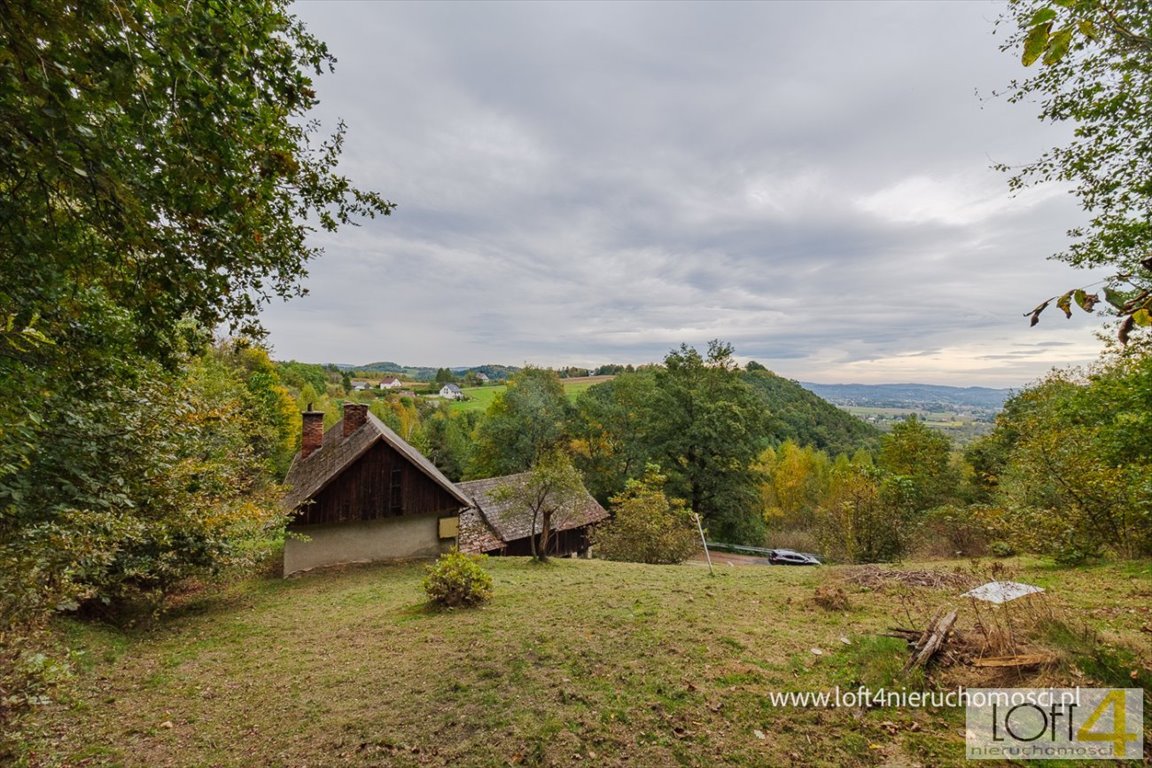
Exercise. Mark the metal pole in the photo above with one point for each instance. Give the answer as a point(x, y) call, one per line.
point(703, 541)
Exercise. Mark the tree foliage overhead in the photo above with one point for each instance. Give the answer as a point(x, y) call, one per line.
point(1093, 63)
point(158, 177)
point(157, 154)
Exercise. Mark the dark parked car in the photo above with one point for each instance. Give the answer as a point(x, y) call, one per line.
point(790, 557)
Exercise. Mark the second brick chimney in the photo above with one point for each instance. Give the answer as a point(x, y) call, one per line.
point(313, 436)
point(355, 414)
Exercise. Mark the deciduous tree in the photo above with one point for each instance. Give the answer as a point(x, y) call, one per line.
point(1093, 70)
point(523, 423)
point(647, 526)
point(550, 494)
point(705, 428)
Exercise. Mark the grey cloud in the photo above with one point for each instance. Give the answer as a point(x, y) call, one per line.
point(583, 182)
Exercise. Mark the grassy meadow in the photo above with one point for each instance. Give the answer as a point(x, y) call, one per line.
point(572, 663)
point(479, 398)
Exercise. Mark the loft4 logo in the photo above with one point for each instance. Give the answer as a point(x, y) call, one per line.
point(1054, 723)
point(1118, 734)
point(1037, 722)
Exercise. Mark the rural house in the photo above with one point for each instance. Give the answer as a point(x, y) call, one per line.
point(451, 392)
point(390, 382)
point(360, 492)
point(497, 527)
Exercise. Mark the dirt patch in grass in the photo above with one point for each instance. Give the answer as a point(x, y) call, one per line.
point(877, 577)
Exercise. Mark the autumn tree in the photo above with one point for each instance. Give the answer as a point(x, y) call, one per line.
point(866, 513)
point(1074, 462)
point(647, 525)
point(795, 480)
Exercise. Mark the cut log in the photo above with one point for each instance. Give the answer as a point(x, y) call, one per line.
point(1021, 660)
point(931, 640)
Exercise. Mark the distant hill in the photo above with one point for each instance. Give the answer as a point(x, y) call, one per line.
point(425, 373)
point(806, 418)
point(922, 396)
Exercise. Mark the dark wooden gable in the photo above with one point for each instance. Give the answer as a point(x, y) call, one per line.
point(381, 483)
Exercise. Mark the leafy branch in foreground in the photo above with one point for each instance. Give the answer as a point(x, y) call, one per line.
point(1095, 73)
point(1133, 304)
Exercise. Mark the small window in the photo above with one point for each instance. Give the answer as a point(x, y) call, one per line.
point(396, 492)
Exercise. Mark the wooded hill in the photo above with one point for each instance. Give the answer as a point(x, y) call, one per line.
point(805, 418)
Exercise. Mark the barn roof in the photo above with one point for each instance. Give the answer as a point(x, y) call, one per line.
point(307, 477)
point(510, 522)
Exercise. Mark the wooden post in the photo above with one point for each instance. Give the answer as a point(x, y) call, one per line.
point(707, 556)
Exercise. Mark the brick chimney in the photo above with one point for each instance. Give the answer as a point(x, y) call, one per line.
point(355, 414)
point(313, 436)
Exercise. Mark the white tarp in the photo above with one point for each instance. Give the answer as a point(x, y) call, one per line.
point(1002, 591)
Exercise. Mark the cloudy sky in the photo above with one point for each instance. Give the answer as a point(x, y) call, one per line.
point(583, 183)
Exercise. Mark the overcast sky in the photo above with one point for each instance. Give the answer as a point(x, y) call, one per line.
point(584, 183)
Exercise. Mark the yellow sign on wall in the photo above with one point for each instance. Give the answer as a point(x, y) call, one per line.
point(449, 527)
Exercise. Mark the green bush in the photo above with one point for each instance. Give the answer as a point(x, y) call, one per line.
point(1001, 549)
point(647, 526)
point(457, 579)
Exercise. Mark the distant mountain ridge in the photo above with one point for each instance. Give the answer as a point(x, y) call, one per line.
point(866, 395)
point(910, 395)
point(428, 373)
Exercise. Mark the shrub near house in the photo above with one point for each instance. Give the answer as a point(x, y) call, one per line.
point(648, 527)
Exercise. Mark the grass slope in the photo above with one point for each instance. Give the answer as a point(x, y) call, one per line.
point(574, 663)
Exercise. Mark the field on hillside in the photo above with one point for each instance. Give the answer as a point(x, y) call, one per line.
point(962, 426)
point(573, 663)
point(479, 398)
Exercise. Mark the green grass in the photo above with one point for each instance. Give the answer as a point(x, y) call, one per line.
point(479, 398)
point(573, 663)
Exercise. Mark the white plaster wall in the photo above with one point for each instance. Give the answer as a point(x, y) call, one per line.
point(395, 538)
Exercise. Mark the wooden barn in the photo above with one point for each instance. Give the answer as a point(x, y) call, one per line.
point(359, 493)
point(498, 527)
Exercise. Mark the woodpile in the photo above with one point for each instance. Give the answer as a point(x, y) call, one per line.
point(925, 644)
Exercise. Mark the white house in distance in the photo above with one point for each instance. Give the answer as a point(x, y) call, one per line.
point(390, 382)
point(451, 392)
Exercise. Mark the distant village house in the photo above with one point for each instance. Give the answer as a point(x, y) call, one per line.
point(451, 392)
